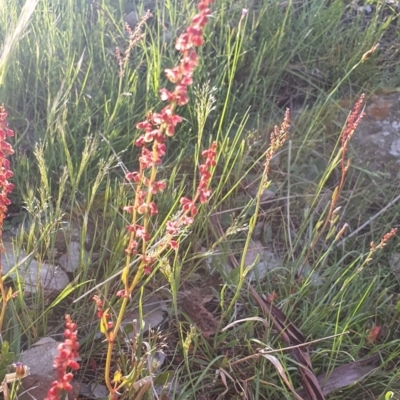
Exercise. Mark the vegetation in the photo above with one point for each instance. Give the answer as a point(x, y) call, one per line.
point(76, 82)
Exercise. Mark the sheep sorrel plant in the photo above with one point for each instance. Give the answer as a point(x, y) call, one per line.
point(68, 354)
point(348, 131)
point(6, 187)
point(157, 127)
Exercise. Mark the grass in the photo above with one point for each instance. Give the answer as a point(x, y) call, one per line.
point(74, 120)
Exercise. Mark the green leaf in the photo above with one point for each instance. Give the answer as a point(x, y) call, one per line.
point(6, 358)
point(163, 378)
point(388, 395)
point(397, 307)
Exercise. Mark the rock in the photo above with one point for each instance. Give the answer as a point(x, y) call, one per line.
point(154, 311)
point(44, 276)
point(34, 275)
point(251, 184)
point(12, 257)
point(94, 391)
point(267, 260)
point(376, 142)
point(395, 263)
point(40, 358)
point(132, 19)
point(70, 260)
point(313, 277)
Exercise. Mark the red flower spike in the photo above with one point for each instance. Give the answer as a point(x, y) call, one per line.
point(166, 95)
point(187, 220)
point(153, 208)
point(204, 196)
point(132, 246)
point(142, 208)
point(146, 125)
point(147, 269)
point(161, 149)
point(188, 205)
point(154, 131)
point(68, 353)
point(157, 187)
point(200, 20)
point(98, 301)
point(204, 4)
point(142, 234)
point(140, 141)
point(353, 121)
point(172, 228)
point(174, 244)
point(146, 159)
point(127, 209)
point(173, 75)
point(182, 43)
point(131, 228)
point(152, 135)
point(374, 333)
point(133, 176)
point(5, 172)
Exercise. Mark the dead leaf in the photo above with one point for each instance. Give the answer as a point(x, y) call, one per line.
point(13, 377)
point(277, 364)
point(345, 375)
point(192, 303)
point(292, 337)
point(223, 374)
